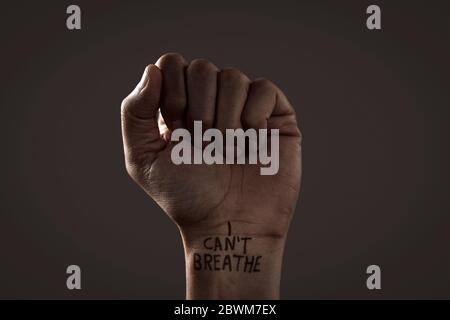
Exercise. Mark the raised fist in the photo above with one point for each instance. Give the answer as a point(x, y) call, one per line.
point(213, 200)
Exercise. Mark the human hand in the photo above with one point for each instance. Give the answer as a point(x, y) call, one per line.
point(212, 203)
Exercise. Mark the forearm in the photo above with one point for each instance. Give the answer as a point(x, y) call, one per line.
point(232, 263)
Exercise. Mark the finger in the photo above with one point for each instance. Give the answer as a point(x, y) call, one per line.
point(284, 117)
point(202, 87)
point(140, 131)
point(231, 97)
point(260, 103)
point(173, 95)
point(268, 108)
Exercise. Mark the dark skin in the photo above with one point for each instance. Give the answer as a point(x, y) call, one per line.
point(202, 199)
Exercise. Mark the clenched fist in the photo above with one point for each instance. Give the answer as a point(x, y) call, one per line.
point(232, 219)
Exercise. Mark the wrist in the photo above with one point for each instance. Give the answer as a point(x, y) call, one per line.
point(232, 261)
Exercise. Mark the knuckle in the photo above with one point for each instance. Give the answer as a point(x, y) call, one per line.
point(171, 60)
point(264, 84)
point(202, 65)
point(233, 74)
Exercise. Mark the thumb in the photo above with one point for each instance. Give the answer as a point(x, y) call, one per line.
point(139, 112)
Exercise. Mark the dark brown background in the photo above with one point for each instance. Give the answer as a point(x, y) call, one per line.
point(373, 107)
